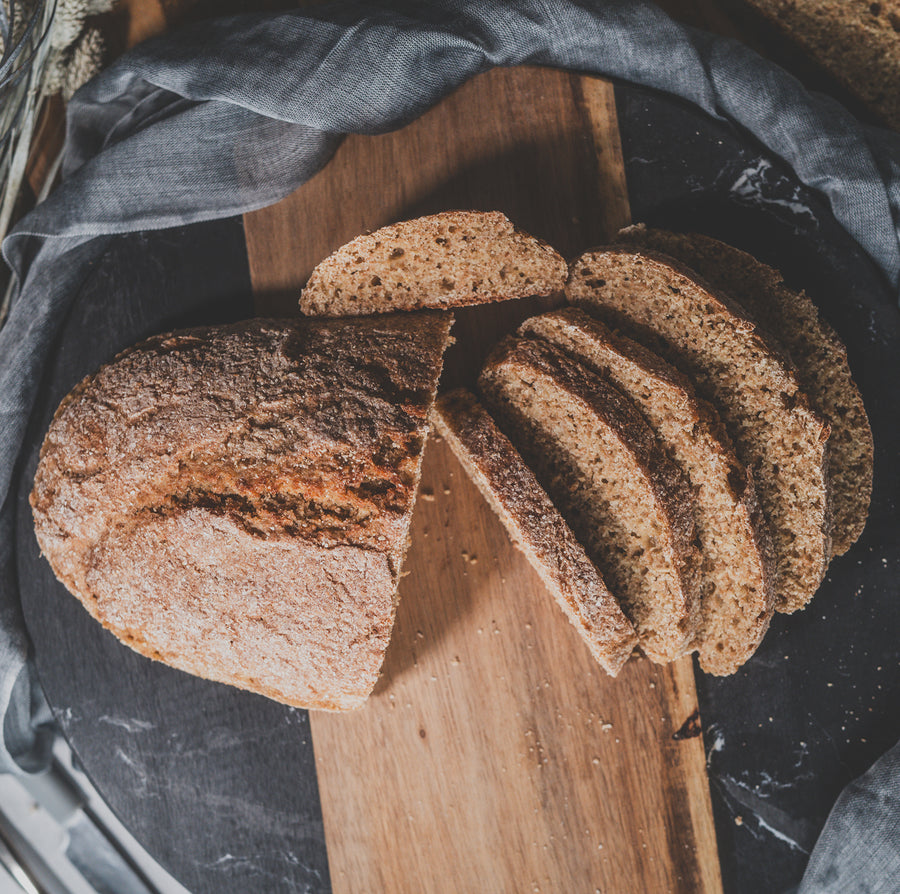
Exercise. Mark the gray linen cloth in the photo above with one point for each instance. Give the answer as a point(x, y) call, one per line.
point(234, 114)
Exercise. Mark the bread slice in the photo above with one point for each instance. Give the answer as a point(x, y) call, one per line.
point(737, 568)
point(445, 260)
point(820, 358)
point(855, 41)
point(235, 500)
point(662, 304)
point(535, 527)
point(625, 499)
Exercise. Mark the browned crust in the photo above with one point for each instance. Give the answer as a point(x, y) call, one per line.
point(445, 260)
point(661, 481)
point(745, 611)
point(587, 287)
point(815, 348)
point(535, 527)
point(299, 433)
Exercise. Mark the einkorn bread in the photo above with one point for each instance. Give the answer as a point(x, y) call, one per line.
point(235, 500)
point(445, 260)
point(535, 527)
point(663, 304)
point(624, 498)
point(816, 350)
point(737, 568)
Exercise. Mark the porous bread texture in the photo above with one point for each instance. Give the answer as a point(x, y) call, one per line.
point(444, 260)
point(535, 527)
point(818, 353)
point(856, 41)
point(235, 500)
point(754, 388)
point(624, 498)
point(737, 567)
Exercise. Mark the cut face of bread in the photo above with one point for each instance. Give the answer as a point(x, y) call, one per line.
point(445, 260)
point(736, 574)
point(624, 498)
point(535, 527)
point(753, 387)
point(816, 350)
point(235, 500)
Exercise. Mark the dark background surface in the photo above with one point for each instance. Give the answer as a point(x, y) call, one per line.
point(220, 785)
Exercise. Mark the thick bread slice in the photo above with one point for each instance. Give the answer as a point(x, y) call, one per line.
point(235, 500)
point(818, 353)
point(445, 260)
point(856, 41)
point(737, 569)
point(752, 385)
point(625, 499)
point(535, 527)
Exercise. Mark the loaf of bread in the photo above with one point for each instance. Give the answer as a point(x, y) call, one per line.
point(235, 500)
point(445, 260)
point(749, 380)
point(856, 41)
point(625, 499)
point(815, 349)
point(737, 564)
point(535, 527)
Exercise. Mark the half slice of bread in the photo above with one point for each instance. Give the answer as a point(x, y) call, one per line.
point(737, 570)
point(235, 500)
point(625, 499)
point(445, 260)
point(755, 389)
point(816, 350)
point(535, 527)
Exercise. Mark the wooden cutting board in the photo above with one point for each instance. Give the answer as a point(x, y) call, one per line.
point(494, 754)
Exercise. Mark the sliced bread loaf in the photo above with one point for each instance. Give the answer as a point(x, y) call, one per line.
point(235, 500)
point(625, 499)
point(737, 569)
point(445, 260)
point(816, 350)
point(535, 527)
point(750, 382)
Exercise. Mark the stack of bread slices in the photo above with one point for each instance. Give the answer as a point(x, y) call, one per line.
point(655, 429)
point(235, 501)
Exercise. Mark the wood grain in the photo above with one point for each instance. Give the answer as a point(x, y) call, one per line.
point(494, 755)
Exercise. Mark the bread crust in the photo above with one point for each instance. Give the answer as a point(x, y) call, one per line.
point(749, 379)
point(535, 527)
point(445, 260)
point(297, 439)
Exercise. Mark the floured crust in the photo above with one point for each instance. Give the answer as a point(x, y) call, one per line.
point(302, 436)
point(815, 348)
point(446, 260)
point(750, 381)
point(737, 567)
point(535, 527)
point(601, 464)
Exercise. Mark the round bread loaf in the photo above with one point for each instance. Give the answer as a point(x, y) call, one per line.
point(235, 500)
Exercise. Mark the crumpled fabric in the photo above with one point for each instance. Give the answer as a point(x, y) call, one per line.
point(234, 114)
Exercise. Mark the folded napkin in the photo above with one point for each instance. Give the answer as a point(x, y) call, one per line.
point(234, 114)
